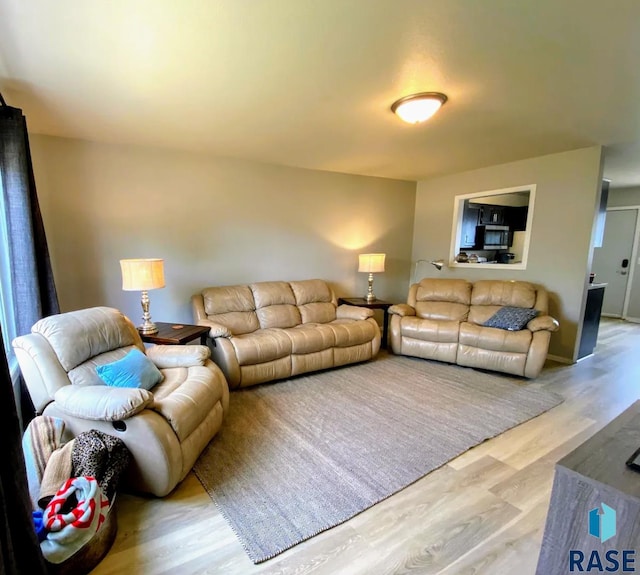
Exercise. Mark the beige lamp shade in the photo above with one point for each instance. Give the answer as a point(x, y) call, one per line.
point(371, 263)
point(142, 274)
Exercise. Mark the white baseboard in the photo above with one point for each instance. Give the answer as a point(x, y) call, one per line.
point(618, 316)
point(560, 359)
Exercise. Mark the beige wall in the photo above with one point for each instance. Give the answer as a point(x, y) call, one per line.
point(624, 197)
point(214, 221)
point(568, 189)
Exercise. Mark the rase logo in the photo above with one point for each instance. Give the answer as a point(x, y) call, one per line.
point(602, 525)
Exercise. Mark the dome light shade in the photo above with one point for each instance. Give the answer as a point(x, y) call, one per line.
point(418, 107)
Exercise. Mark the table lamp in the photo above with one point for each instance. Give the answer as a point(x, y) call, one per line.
point(371, 264)
point(143, 275)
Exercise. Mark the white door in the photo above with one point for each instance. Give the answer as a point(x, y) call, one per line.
point(612, 262)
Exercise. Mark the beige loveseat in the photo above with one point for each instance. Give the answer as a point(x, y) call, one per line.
point(272, 330)
point(164, 428)
point(443, 320)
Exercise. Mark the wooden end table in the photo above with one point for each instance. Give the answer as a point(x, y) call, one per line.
point(376, 304)
point(176, 334)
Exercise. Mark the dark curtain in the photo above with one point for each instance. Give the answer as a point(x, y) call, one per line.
point(34, 291)
point(34, 296)
point(19, 548)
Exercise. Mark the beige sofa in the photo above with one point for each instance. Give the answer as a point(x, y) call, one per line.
point(273, 330)
point(165, 428)
point(443, 320)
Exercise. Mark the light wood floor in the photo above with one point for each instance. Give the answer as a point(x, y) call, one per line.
point(483, 513)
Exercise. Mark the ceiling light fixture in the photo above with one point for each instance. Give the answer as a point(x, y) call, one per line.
point(418, 107)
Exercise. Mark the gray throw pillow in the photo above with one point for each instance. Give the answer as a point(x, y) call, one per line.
point(511, 318)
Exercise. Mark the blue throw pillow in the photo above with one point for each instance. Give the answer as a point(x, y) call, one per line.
point(511, 318)
point(134, 370)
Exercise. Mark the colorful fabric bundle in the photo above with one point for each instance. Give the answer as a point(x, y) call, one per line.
point(100, 455)
point(42, 437)
point(72, 517)
point(58, 470)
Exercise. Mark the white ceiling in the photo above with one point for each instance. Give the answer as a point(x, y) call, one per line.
point(309, 82)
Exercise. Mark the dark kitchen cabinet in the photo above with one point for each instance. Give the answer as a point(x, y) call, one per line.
point(470, 217)
point(490, 214)
point(591, 323)
point(516, 218)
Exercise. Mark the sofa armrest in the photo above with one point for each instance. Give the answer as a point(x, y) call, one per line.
point(102, 402)
point(166, 356)
point(402, 309)
point(215, 329)
point(345, 311)
point(543, 322)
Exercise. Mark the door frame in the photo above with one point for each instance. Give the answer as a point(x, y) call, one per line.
point(632, 266)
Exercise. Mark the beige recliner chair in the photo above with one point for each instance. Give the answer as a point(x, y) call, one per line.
point(165, 429)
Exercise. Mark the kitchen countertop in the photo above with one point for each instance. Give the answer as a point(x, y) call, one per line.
point(597, 285)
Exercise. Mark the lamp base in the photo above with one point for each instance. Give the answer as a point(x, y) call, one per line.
point(148, 328)
point(370, 297)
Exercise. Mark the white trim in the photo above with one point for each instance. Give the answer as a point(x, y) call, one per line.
point(457, 223)
point(632, 263)
point(617, 208)
point(633, 319)
point(518, 266)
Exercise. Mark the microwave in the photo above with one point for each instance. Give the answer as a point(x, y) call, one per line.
point(492, 237)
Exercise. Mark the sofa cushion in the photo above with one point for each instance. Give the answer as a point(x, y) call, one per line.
point(309, 338)
point(350, 332)
point(225, 299)
point(232, 307)
point(310, 291)
point(272, 293)
point(511, 318)
point(454, 291)
point(167, 356)
point(186, 396)
point(85, 373)
point(507, 362)
point(275, 305)
point(75, 339)
point(479, 314)
point(430, 330)
point(442, 310)
point(490, 338)
point(315, 301)
point(261, 346)
point(317, 312)
point(134, 370)
point(281, 316)
point(509, 293)
point(238, 322)
point(101, 402)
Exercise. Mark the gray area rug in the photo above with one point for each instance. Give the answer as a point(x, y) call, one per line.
point(297, 457)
